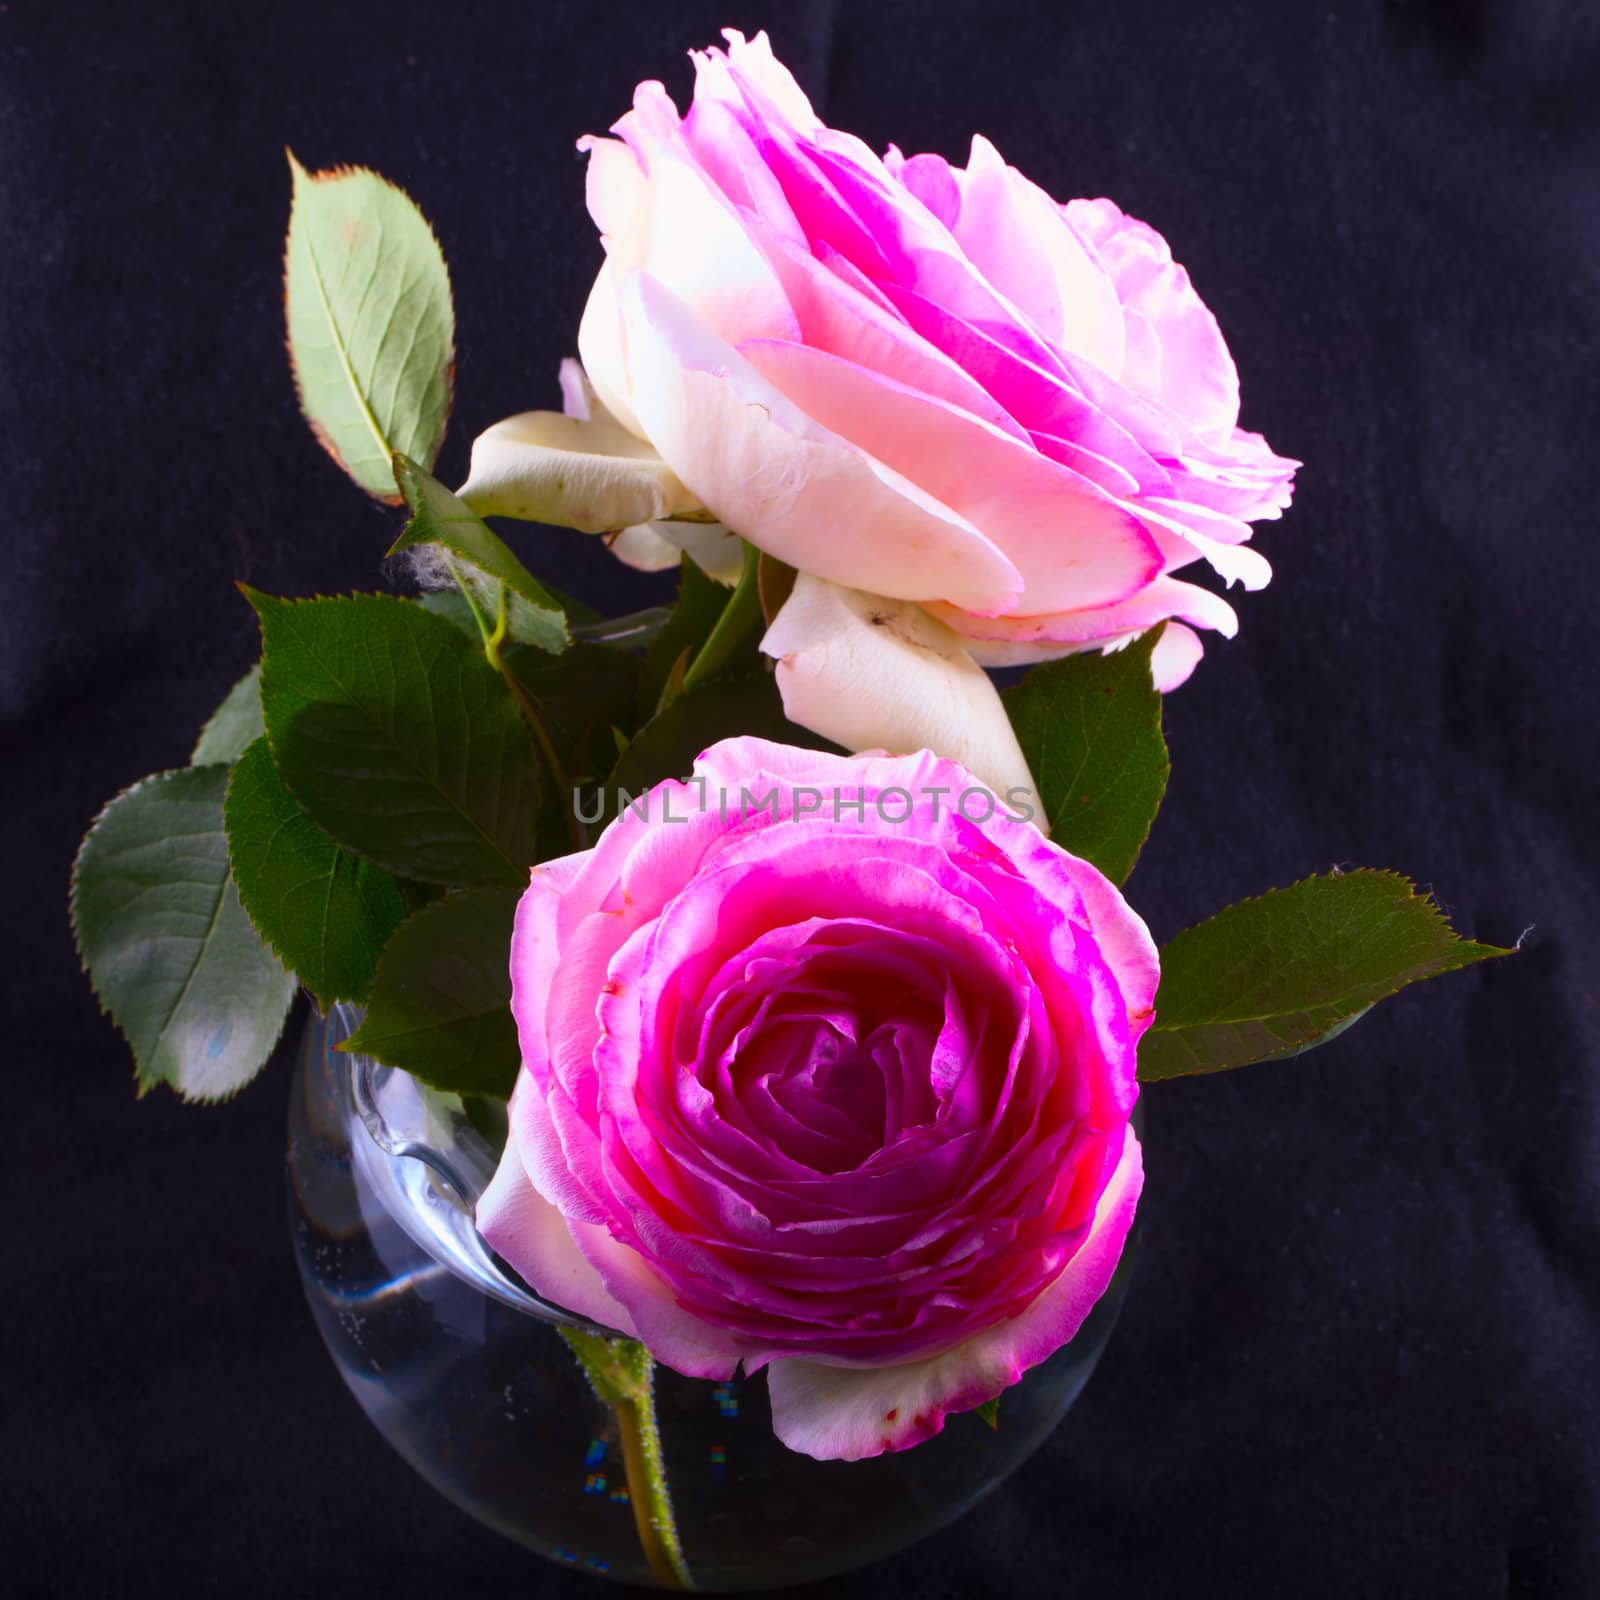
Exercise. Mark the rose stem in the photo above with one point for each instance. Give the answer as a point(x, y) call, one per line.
point(493, 639)
point(738, 617)
point(647, 1491)
point(622, 1373)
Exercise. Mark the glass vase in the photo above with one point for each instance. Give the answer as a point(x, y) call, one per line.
point(473, 1378)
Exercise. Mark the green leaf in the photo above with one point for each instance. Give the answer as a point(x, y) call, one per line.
point(1090, 727)
point(667, 745)
point(989, 1412)
point(1274, 976)
point(371, 329)
point(397, 738)
point(234, 726)
point(483, 560)
point(584, 694)
point(325, 911)
point(586, 698)
point(440, 1005)
point(701, 601)
point(166, 943)
point(452, 605)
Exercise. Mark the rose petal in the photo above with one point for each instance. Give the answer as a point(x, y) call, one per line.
point(1193, 373)
point(1015, 234)
point(1011, 641)
point(1041, 398)
point(753, 59)
point(873, 674)
point(524, 1228)
point(931, 179)
point(659, 546)
point(1073, 545)
point(691, 238)
point(614, 187)
point(601, 350)
point(786, 483)
point(839, 317)
point(1182, 532)
point(847, 1414)
point(595, 476)
point(536, 947)
point(1176, 655)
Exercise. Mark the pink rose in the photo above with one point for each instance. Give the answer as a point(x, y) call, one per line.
point(931, 384)
point(823, 1077)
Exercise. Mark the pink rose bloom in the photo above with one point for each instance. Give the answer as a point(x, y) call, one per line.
point(928, 383)
point(823, 1077)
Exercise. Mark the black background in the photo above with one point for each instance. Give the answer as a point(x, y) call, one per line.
point(1360, 1354)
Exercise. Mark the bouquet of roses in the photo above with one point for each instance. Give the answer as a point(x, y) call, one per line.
point(796, 947)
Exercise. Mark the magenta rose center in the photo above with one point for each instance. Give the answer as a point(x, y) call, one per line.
point(819, 1071)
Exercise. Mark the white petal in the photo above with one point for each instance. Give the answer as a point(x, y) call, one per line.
point(1176, 655)
point(659, 546)
point(644, 549)
point(591, 475)
point(877, 674)
point(600, 347)
point(615, 189)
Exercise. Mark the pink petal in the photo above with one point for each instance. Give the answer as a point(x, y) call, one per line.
point(847, 1414)
point(525, 1229)
point(1057, 633)
point(786, 482)
point(1194, 375)
point(1025, 382)
point(931, 179)
point(839, 319)
point(614, 185)
point(1183, 531)
point(535, 947)
point(1016, 235)
point(1122, 938)
point(1070, 543)
point(753, 61)
point(579, 1265)
point(726, 150)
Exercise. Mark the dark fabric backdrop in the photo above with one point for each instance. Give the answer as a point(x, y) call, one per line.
point(1359, 1357)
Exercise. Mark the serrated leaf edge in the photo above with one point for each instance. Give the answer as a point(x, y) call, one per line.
point(1479, 952)
point(356, 1045)
point(395, 599)
point(141, 1088)
point(1388, 874)
point(329, 175)
point(323, 1002)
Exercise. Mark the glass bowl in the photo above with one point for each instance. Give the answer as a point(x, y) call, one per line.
point(468, 1374)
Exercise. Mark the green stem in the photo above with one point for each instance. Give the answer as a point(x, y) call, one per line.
point(471, 599)
point(494, 638)
point(738, 617)
point(621, 1373)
